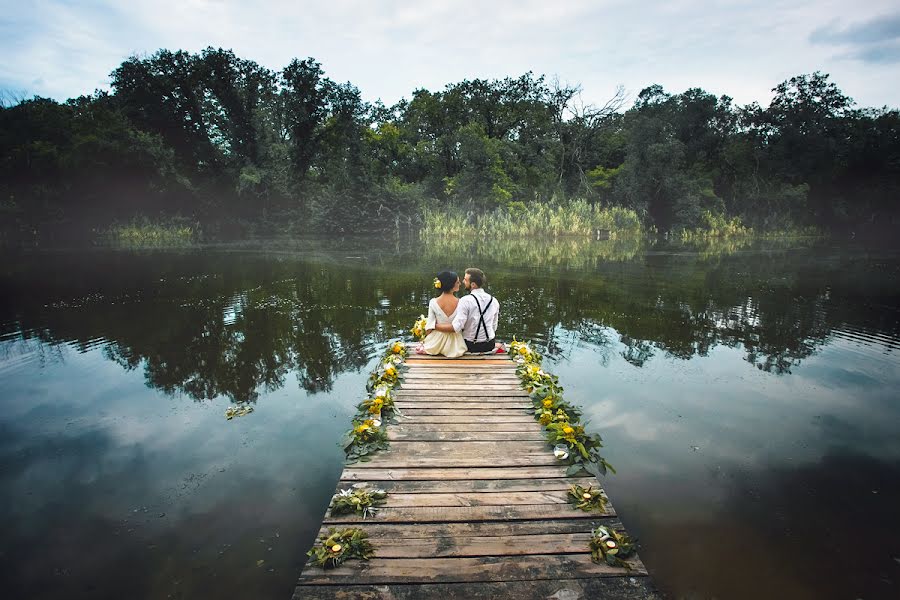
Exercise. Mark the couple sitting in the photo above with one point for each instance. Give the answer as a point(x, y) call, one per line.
point(456, 325)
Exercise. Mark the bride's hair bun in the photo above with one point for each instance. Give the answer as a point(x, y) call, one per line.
point(447, 280)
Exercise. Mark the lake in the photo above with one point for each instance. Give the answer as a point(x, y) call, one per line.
point(748, 395)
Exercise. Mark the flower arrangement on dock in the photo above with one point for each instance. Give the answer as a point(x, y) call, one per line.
point(362, 501)
point(561, 420)
point(587, 498)
point(611, 546)
point(368, 434)
point(339, 545)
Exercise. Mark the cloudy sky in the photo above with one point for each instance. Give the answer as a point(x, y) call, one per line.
point(743, 48)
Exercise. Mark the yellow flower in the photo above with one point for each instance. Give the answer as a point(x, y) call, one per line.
point(568, 430)
point(390, 370)
point(336, 548)
point(523, 350)
point(437, 283)
point(397, 348)
point(548, 402)
point(546, 418)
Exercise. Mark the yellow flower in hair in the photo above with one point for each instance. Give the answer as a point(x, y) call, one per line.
point(437, 283)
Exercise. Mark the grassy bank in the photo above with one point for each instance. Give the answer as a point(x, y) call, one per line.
point(720, 227)
point(146, 233)
point(575, 218)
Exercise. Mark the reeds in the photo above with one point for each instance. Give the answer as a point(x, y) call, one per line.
point(145, 233)
point(574, 218)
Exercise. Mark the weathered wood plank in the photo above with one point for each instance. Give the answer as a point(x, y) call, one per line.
point(354, 473)
point(413, 435)
point(443, 514)
point(520, 395)
point(415, 426)
point(476, 485)
point(390, 461)
point(462, 405)
point(467, 569)
point(504, 498)
point(631, 587)
point(460, 386)
point(470, 418)
point(481, 411)
point(484, 377)
point(457, 546)
point(477, 448)
point(378, 531)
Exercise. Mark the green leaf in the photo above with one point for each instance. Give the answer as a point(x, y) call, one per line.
point(573, 469)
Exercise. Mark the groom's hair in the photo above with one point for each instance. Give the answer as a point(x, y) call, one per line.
point(476, 276)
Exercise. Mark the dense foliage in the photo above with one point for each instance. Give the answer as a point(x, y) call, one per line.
point(214, 139)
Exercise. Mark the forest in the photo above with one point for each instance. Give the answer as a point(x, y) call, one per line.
point(224, 145)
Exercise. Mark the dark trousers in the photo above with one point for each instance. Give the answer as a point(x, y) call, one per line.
point(480, 346)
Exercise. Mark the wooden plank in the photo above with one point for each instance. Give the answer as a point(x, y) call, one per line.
point(460, 387)
point(378, 531)
point(469, 367)
point(520, 395)
point(416, 375)
point(456, 546)
point(458, 391)
point(415, 435)
point(503, 498)
point(474, 419)
point(462, 405)
point(355, 473)
point(443, 514)
point(482, 411)
point(392, 461)
point(467, 569)
point(416, 425)
point(479, 448)
point(476, 485)
point(633, 587)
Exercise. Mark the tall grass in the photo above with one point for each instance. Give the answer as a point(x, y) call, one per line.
point(574, 218)
point(145, 233)
point(721, 227)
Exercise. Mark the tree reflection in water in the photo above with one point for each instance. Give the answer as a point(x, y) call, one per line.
point(215, 322)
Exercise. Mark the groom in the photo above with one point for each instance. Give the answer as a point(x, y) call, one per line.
point(477, 315)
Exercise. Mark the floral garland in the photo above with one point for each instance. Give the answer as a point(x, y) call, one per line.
point(339, 545)
point(611, 546)
point(560, 419)
point(362, 501)
point(368, 434)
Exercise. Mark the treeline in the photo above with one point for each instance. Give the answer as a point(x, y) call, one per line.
point(221, 141)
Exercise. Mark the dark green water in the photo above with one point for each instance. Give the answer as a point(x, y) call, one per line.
point(749, 398)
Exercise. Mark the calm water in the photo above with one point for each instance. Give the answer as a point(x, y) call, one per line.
point(749, 398)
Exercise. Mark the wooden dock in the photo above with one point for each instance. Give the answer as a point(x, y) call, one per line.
point(477, 503)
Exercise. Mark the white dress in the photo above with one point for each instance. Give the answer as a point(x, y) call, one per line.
point(446, 344)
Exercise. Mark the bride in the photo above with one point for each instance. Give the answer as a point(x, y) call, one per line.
point(442, 310)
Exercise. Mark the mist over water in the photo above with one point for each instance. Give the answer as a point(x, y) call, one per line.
point(746, 393)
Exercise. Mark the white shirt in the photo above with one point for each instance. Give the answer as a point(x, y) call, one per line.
point(467, 316)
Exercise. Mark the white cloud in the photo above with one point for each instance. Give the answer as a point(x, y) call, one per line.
point(740, 48)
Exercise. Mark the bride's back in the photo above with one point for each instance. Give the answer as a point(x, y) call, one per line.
point(448, 303)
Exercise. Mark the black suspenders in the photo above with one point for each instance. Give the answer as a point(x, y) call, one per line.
point(481, 322)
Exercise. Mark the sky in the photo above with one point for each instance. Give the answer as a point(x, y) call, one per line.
point(740, 48)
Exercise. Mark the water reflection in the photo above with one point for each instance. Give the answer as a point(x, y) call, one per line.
point(773, 361)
